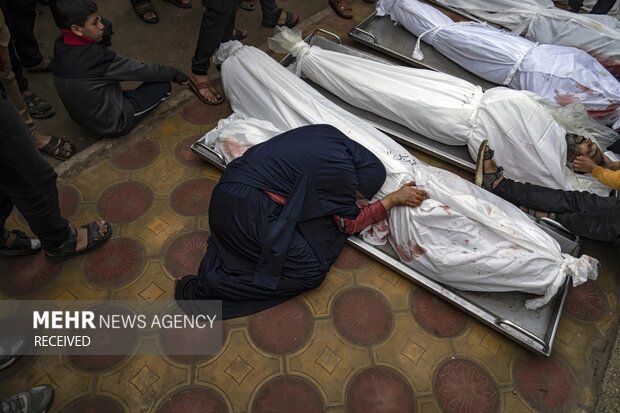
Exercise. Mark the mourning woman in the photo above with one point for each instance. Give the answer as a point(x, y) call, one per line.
point(280, 216)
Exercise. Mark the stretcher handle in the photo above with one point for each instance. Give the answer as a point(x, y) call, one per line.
point(372, 36)
point(327, 33)
point(534, 337)
point(556, 224)
point(216, 154)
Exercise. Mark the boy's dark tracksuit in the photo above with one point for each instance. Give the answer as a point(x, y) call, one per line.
point(87, 76)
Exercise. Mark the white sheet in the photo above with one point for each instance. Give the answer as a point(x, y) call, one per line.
point(503, 251)
point(542, 22)
point(529, 143)
point(561, 74)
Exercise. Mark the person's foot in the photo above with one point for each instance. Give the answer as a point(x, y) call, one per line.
point(202, 87)
point(288, 19)
point(46, 65)
point(16, 243)
point(490, 168)
point(84, 239)
point(10, 350)
point(487, 175)
point(146, 12)
point(37, 107)
point(247, 5)
point(59, 148)
point(35, 400)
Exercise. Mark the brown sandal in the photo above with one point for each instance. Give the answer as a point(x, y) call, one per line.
point(197, 87)
point(342, 8)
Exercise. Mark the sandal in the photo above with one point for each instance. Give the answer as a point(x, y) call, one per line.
point(247, 5)
point(289, 20)
point(342, 8)
point(144, 8)
point(37, 107)
point(239, 35)
point(481, 179)
point(197, 87)
point(57, 147)
point(68, 249)
point(21, 244)
point(179, 3)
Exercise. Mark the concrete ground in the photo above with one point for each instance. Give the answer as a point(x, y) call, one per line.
point(366, 340)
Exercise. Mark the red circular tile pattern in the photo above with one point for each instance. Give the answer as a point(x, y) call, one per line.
point(125, 202)
point(362, 316)
point(586, 302)
point(137, 156)
point(191, 198)
point(22, 276)
point(462, 386)
point(194, 400)
point(69, 200)
point(185, 253)
point(118, 262)
point(282, 329)
point(351, 259)
point(93, 404)
point(287, 394)
point(546, 384)
point(184, 154)
point(380, 390)
point(435, 315)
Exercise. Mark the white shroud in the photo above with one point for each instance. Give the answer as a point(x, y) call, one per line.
point(529, 143)
point(542, 22)
point(561, 74)
point(464, 236)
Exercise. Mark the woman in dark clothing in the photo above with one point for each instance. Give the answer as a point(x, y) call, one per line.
point(280, 215)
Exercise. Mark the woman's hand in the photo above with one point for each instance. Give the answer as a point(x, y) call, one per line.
point(584, 164)
point(407, 195)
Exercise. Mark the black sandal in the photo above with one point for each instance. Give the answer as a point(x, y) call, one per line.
point(67, 250)
point(142, 9)
point(247, 5)
point(289, 21)
point(37, 107)
point(21, 245)
point(481, 179)
point(56, 148)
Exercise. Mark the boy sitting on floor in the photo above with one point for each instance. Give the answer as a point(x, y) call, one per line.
point(87, 74)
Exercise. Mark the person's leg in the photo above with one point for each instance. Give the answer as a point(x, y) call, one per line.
point(603, 225)
point(275, 16)
point(214, 26)
point(36, 399)
point(602, 6)
point(28, 180)
point(552, 200)
point(147, 97)
point(575, 5)
point(20, 19)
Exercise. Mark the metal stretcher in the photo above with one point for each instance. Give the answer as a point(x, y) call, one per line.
point(380, 33)
point(504, 312)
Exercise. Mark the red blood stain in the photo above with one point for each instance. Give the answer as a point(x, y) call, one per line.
point(610, 64)
point(611, 109)
point(586, 89)
point(565, 99)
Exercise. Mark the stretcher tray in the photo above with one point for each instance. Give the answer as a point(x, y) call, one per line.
point(504, 312)
point(380, 33)
point(455, 155)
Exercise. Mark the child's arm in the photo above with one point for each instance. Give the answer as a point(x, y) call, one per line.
point(607, 177)
point(123, 69)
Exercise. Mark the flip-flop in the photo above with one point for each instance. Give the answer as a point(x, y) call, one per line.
point(247, 5)
point(56, 148)
point(68, 249)
point(197, 87)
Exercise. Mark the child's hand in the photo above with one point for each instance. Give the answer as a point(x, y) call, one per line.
point(584, 164)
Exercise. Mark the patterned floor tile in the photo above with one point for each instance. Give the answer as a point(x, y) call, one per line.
point(138, 155)
point(125, 202)
point(287, 394)
point(192, 197)
point(184, 254)
point(381, 390)
point(194, 400)
point(117, 263)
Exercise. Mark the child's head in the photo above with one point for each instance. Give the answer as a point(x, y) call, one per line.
point(79, 16)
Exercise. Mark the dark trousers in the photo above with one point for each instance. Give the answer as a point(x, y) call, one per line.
point(582, 213)
point(615, 147)
point(147, 97)
point(601, 6)
point(270, 11)
point(20, 16)
point(27, 181)
point(217, 25)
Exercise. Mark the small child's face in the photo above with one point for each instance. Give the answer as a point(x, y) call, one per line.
point(93, 28)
